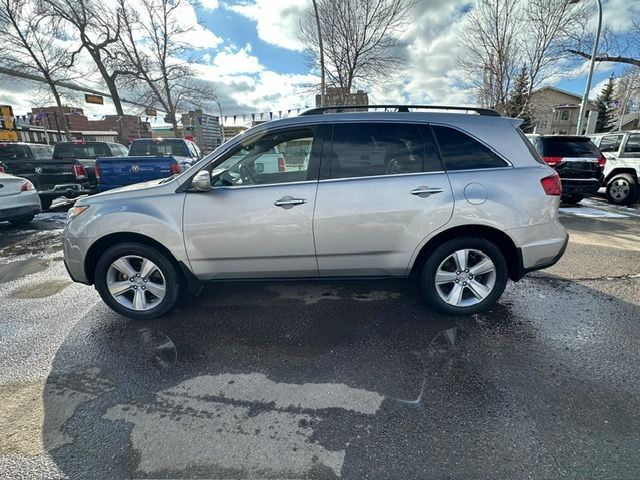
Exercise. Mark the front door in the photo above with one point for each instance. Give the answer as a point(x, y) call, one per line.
point(383, 193)
point(256, 222)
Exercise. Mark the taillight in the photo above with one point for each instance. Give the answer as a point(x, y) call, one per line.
point(602, 161)
point(281, 166)
point(97, 171)
point(175, 168)
point(552, 185)
point(552, 160)
point(26, 187)
point(80, 171)
point(2, 169)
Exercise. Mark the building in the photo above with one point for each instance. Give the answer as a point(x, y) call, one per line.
point(342, 96)
point(231, 131)
point(163, 132)
point(556, 111)
point(50, 118)
point(130, 126)
point(203, 129)
point(630, 121)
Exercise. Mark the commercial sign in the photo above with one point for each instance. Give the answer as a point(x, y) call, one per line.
point(96, 99)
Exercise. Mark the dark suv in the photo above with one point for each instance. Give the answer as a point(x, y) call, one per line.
point(576, 159)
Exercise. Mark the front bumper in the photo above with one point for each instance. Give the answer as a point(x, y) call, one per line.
point(580, 186)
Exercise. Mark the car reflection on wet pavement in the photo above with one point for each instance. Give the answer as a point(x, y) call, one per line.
point(331, 380)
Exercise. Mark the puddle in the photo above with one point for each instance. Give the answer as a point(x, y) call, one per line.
point(41, 290)
point(158, 347)
point(21, 268)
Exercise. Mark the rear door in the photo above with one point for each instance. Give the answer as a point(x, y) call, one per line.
point(382, 191)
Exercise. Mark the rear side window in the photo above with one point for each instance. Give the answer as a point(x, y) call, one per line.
point(576, 147)
point(633, 144)
point(461, 152)
point(610, 143)
point(13, 152)
point(373, 149)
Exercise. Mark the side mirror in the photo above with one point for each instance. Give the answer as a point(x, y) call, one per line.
point(202, 181)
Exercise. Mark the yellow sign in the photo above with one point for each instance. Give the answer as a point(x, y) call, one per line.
point(6, 136)
point(7, 132)
point(97, 99)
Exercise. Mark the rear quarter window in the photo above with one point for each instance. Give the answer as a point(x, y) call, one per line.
point(462, 152)
point(610, 143)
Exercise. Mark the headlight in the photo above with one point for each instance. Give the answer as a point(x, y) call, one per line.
point(75, 211)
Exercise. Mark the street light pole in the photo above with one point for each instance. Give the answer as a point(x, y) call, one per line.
point(315, 8)
point(585, 97)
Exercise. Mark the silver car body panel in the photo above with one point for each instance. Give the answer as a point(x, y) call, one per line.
point(351, 226)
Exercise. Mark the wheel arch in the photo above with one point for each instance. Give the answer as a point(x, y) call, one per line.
point(497, 237)
point(631, 171)
point(99, 246)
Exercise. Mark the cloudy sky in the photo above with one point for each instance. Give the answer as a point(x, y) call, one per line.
point(250, 50)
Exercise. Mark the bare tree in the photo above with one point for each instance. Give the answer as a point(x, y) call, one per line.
point(490, 40)
point(361, 39)
point(152, 46)
point(98, 28)
point(617, 47)
point(33, 43)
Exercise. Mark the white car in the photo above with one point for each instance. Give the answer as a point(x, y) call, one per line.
point(19, 200)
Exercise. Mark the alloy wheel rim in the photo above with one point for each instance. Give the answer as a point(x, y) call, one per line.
point(136, 283)
point(465, 278)
point(620, 189)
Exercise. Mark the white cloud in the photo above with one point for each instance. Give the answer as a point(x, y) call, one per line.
point(208, 4)
point(233, 61)
point(277, 20)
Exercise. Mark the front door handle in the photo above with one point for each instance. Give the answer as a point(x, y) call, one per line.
point(423, 191)
point(289, 202)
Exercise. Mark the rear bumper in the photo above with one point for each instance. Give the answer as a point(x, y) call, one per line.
point(69, 190)
point(544, 262)
point(580, 186)
point(18, 212)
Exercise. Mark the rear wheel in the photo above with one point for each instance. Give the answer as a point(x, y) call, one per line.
point(622, 189)
point(137, 281)
point(464, 276)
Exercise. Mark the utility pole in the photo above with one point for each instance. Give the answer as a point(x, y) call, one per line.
point(315, 8)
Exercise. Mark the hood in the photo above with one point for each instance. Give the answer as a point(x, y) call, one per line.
point(129, 191)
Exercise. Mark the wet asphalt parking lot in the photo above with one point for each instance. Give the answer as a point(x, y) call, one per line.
point(330, 380)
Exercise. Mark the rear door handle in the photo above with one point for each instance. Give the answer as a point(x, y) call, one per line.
point(289, 202)
point(426, 191)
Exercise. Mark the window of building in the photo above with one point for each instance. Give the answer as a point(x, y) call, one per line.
point(461, 152)
point(564, 114)
point(372, 149)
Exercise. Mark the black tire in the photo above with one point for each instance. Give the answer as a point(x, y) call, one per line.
point(46, 203)
point(621, 181)
point(572, 199)
point(22, 220)
point(445, 250)
point(164, 264)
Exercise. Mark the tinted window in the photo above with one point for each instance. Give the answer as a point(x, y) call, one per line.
point(42, 153)
point(610, 143)
point(461, 152)
point(13, 152)
point(275, 158)
point(577, 147)
point(633, 144)
point(81, 150)
point(367, 149)
point(159, 148)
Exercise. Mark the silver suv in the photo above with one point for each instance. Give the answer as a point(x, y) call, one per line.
point(461, 200)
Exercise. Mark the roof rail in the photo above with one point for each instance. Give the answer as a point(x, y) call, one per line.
point(398, 108)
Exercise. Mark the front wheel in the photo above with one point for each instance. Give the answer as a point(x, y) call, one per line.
point(464, 276)
point(137, 281)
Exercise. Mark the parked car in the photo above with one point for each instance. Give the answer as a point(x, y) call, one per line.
point(148, 159)
point(86, 154)
point(622, 171)
point(463, 201)
point(19, 200)
point(576, 159)
point(51, 177)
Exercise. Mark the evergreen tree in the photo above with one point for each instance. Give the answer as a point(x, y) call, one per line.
point(606, 108)
point(518, 104)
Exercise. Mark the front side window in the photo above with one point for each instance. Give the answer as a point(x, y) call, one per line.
point(461, 152)
point(271, 159)
point(633, 144)
point(610, 143)
point(370, 149)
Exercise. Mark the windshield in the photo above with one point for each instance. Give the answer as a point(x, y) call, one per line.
point(159, 148)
